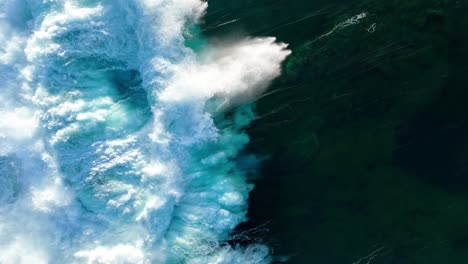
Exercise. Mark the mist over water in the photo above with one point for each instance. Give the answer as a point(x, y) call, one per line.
point(114, 147)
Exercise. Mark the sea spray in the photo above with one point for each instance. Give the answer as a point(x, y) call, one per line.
point(109, 148)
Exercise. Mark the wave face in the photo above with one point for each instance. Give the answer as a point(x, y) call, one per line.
point(113, 143)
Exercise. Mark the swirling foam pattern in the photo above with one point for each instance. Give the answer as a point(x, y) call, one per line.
point(113, 143)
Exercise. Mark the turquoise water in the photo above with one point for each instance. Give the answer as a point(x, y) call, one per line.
point(115, 144)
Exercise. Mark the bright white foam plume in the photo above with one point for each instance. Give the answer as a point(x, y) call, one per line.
point(109, 152)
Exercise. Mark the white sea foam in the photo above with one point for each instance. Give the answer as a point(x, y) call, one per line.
point(109, 152)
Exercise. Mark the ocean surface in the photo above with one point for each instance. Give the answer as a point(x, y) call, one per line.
point(266, 131)
point(364, 136)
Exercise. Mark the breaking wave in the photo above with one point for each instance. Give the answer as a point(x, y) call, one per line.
point(114, 142)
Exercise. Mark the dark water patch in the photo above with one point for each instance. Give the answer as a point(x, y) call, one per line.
point(128, 85)
point(434, 143)
point(131, 93)
point(363, 147)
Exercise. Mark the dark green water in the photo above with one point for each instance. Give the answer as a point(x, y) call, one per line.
point(366, 138)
